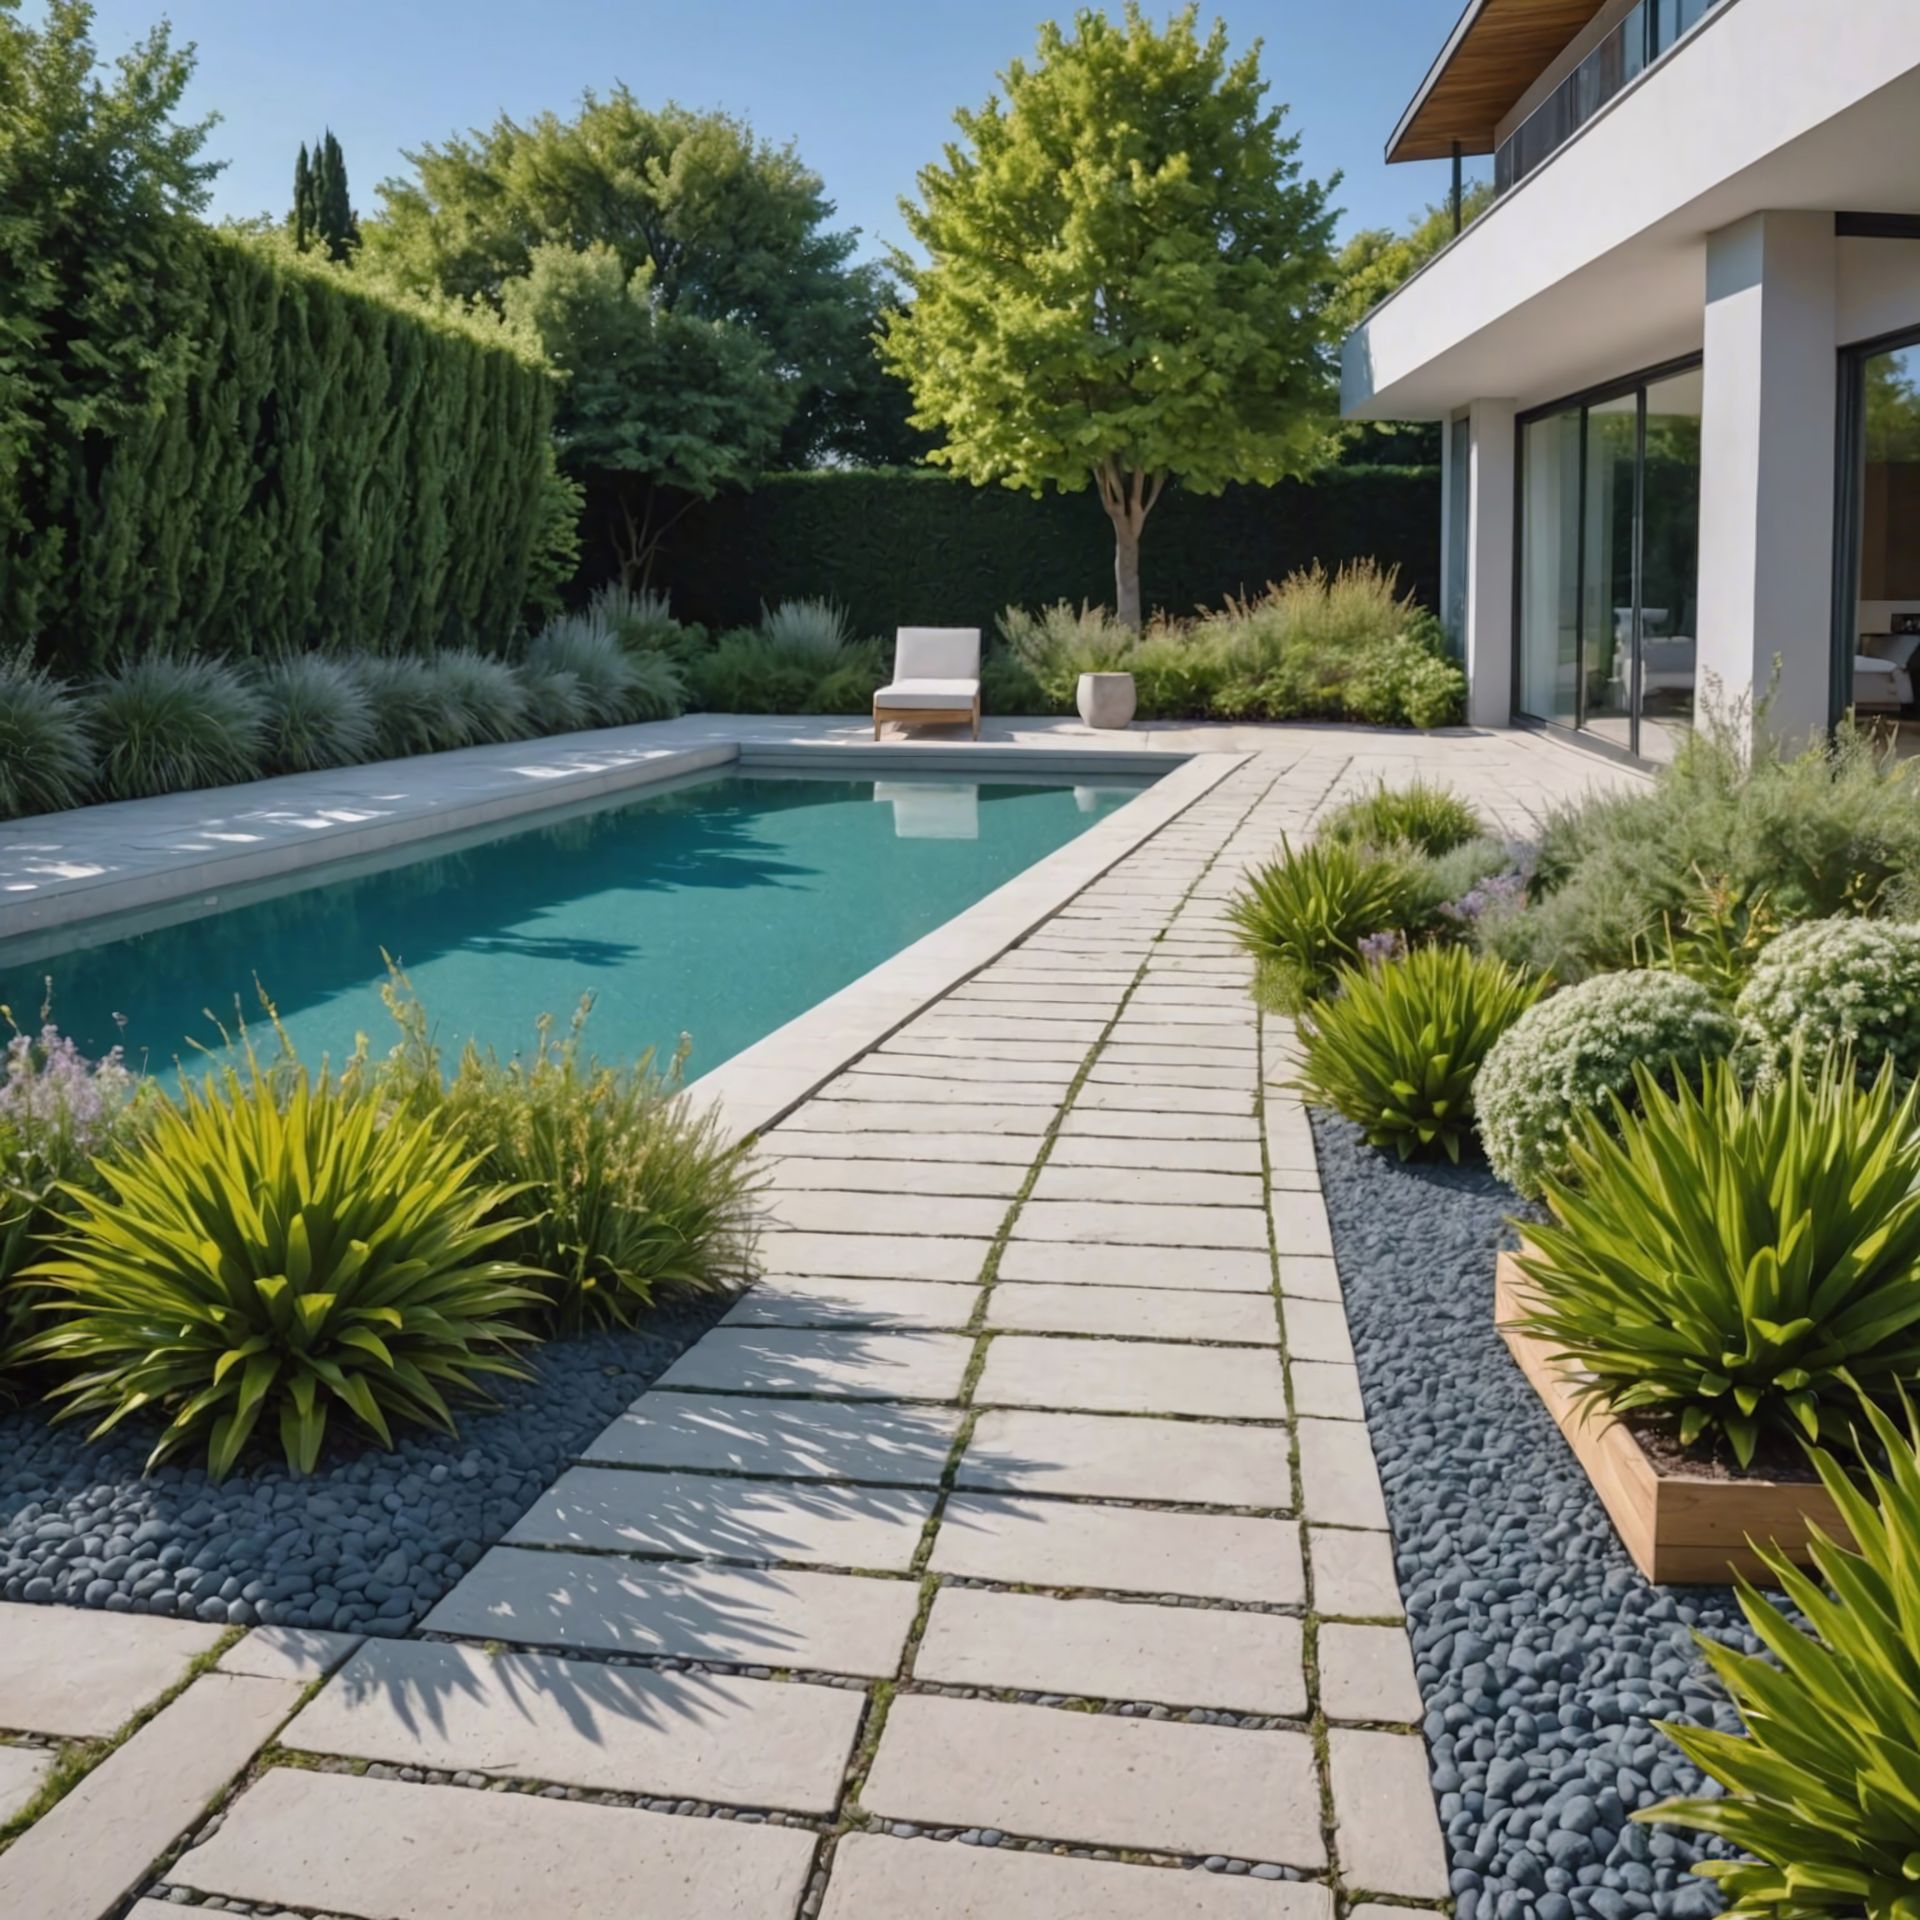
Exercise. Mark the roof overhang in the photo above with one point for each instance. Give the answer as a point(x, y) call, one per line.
point(1495, 53)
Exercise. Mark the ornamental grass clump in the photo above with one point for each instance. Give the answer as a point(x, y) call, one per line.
point(46, 746)
point(168, 726)
point(627, 1192)
point(1578, 1050)
point(1304, 915)
point(1397, 1049)
point(1429, 819)
point(1834, 984)
point(481, 698)
point(1823, 1790)
point(317, 713)
point(615, 686)
point(1739, 1260)
point(273, 1248)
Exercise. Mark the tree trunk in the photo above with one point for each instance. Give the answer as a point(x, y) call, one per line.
point(1128, 497)
point(1126, 572)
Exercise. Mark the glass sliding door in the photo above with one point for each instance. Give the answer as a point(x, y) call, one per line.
point(1606, 575)
point(1550, 569)
point(1669, 563)
point(1608, 562)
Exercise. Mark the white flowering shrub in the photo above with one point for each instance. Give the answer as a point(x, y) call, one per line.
point(1834, 983)
point(1567, 1054)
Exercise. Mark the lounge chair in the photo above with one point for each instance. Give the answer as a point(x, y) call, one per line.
point(936, 680)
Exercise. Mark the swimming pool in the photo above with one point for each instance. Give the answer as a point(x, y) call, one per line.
point(719, 908)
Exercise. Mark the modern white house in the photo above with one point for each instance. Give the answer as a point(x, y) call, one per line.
point(1678, 359)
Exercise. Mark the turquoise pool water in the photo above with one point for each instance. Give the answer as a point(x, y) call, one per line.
point(720, 910)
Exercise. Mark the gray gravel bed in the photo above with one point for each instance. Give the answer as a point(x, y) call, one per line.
point(1542, 1653)
point(366, 1544)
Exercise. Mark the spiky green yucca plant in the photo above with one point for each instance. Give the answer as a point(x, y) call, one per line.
point(1824, 1789)
point(1397, 1049)
point(1739, 1258)
point(1305, 914)
point(266, 1248)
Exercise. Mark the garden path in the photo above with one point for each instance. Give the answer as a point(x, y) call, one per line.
point(1015, 1545)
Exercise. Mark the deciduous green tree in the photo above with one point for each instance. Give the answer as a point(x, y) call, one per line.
point(680, 402)
point(1123, 278)
point(732, 229)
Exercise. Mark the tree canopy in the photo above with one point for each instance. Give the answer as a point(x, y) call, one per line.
point(731, 231)
point(1123, 281)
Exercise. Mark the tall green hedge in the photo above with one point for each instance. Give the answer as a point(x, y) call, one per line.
point(324, 467)
point(900, 547)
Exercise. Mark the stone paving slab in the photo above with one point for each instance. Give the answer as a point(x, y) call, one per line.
point(1353, 1574)
point(905, 1086)
point(879, 1878)
point(1093, 1264)
point(1103, 1117)
point(305, 1654)
point(1366, 1673)
point(817, 1211)
point(978, 1178)
point(1174, 1103)
point(877, 1256)
point(1135, 1053)
point(1326, 1391)
point(83, 1675)
point(874, 1366)
point(1071, 1543)
point(1117, 1073)
point(1236, 1158)
point(1148, 1313)
point(1098, 1779)
point(1142, 1225)
point(794, 1439)
point(1045, 991)
point(1339, 1481)
point(1117, 1650)
point(1132, 1376)
point(450, 1853)
point(766, 1617)
point(984, 1053)
point(1148, 1186)
point(1307, 1276)
point(1002, 1026)
point(1300, 1224)
point(1108, 1457)
point(1385, 1831)
point(577, 1723)
point(910, 1116)
point(693, 1516)
point(894, 1060)
point(882, 1149)
point(81, 1859)
point(1317, 1330)
point(23, 1770)
point(808, 1300)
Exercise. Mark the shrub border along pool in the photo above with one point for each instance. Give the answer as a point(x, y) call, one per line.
point(1542, 1654)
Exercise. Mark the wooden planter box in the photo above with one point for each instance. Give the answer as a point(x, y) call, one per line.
point(1680, 1528)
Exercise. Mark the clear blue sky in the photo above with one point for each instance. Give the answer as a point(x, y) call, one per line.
point(865, 88)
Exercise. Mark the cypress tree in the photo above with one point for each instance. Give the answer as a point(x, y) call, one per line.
point(333, 220)
point(302, 200)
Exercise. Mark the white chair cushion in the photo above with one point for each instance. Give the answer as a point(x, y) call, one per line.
point(937, 653)
point(928, 693)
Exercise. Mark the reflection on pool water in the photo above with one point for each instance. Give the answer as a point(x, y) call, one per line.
point(720, 909)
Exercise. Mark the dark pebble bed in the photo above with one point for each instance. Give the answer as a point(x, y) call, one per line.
point(366, 1544)
point(1543, 1655)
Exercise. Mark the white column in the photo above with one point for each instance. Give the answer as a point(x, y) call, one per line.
point(1767, 452)
point(1490, 560)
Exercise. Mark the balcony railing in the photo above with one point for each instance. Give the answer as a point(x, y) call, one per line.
point(1628, 50)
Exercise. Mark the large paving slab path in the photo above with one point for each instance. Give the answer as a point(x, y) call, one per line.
point(1014, 1548)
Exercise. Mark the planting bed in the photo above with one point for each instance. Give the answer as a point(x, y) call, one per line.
point(367, 1544)
point(1542, 1653)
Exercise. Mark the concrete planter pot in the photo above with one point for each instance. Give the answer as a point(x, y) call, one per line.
point(1106, 700)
